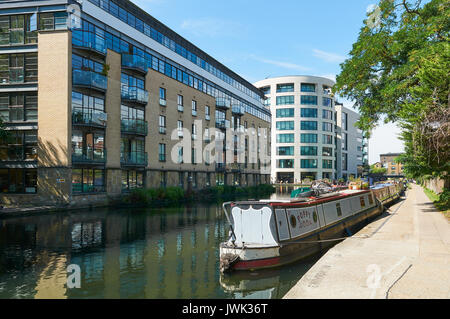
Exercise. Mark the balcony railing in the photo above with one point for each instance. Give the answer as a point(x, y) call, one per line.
point(89, 117)
point(134, 126)
point(223, 103)
point(134, 158)
point(237, 109)
point(220, 167)
point(135, 62)
point(19, 153)
point(162, 102)
point(89, 40)
point(90, 79)
point(90, 156)
point(222, 124)
point(180, 108)
point(134, 94)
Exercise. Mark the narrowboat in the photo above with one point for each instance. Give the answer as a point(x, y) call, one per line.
point(272, 233)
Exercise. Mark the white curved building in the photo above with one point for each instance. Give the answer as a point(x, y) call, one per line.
point(303, 127)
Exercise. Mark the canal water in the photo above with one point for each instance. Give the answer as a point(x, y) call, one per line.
point(129, 253)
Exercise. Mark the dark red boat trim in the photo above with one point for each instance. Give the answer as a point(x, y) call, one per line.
point(259, 263)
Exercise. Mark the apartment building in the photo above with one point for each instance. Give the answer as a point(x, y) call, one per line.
point(393, 167)
point(101, 98)
point(313, 136)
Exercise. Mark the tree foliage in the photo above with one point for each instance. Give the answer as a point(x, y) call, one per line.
point(399, 71)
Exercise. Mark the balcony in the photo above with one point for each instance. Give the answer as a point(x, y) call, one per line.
point(222, 124)
point(134, 126)
point(134, 94)
point(162, 102)
point(91, 156)
point(134, 62)
point(134, 159)
point(220, 167)
point(89, 117)
point(180, 108)
point(89, 41)
point(223, 103)
point(89, 79)
point(237, 110)
point(18, 153)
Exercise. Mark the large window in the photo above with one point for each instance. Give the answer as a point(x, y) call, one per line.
point(87, 108)
point(308, 100)
point(308, 138)
point(285, 163)
point(327, 139)
point(308, 112)
point(327, 102)
point(132, 179)
point(308, 125)
point(162, 152)
point(53, 21)
point(285, 138)
point(285, 126)
point(18, 107)
point(308, 150)
point(308, 87)
point(88, 146)
point(266, 90)
point(308, 163)
point(285, 100)
point(285, 150)
point(327, 151)
point(344, 141)
point(162, 124)
point(344, 121)
point(288, 87)
point(327, 127)
point(18, 180)
point(327, 164)
point(18, 29)
point(285, 113)
point(344, 161)
point(20, 146)
point(18, 68)
point(87, 180)
point(328, 115)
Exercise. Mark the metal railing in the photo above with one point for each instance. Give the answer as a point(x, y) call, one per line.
point(89, 79)
point(89, 40)
point(90, 155)
point(89, 117)
point(134, 158)
point(134, 126)
point(134, 94)
point(135, 62)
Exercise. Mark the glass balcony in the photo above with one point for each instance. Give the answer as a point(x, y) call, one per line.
point(134, 126)
point(135, 62)
point(89, 117)
point(134, 158)
point(222, 124)
point(90, 79)
point(17, 153)
point(90, 156)
point(237, 109)
point(89, 40)
point(223, 103)
point(134, 94)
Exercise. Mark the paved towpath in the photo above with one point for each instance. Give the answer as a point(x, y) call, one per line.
point(403, 254)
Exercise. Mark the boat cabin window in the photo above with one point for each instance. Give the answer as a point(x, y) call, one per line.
point(370, 199)
point(363, 202)
point(338, 209)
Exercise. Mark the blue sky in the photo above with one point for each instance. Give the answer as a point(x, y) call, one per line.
point(259, 39)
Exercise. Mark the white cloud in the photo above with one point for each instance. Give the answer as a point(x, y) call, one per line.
point(282, 64)
point(211, 27)
point(328, 57)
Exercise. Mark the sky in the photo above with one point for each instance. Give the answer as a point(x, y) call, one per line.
point(260, 38)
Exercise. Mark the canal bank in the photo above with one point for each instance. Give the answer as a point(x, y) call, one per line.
point(403, 254)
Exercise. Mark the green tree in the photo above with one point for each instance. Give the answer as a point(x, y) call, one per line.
point(398, 71)
point(377, 170)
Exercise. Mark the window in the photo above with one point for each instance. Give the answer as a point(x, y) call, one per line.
point(20, 146)
point(281, 88)
point(180, 155)
point(285, 163)
point(285, 138)
point(308, 100)
point(327, 139)
point(162, 124)
point(207, 113)
point(285, 100)
point(327, 151)
point(308, 163)
point(308, 125)
point(328, 164)
point(162, 152)
point(308, 150)
point(132, 179)
point(344, 121)
point(327, 115)
point(266, 90)
point(87, 180)
point(180, 128)
point(194, 156)
point(18, 107)
point(18, 29)
point(53, 21)
point(180, 103)
point(344, 161)
point(308, 87)
point(308, 112)
point(162, 97)
point(18, 180)
point(327, 102)
point(285, 113)
point(194, 131)
point(285, 126)
point(327, 127)
point(285, 150)
point(194, 108)
point(18, 68)
point(344, 141)
point(308, 138)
